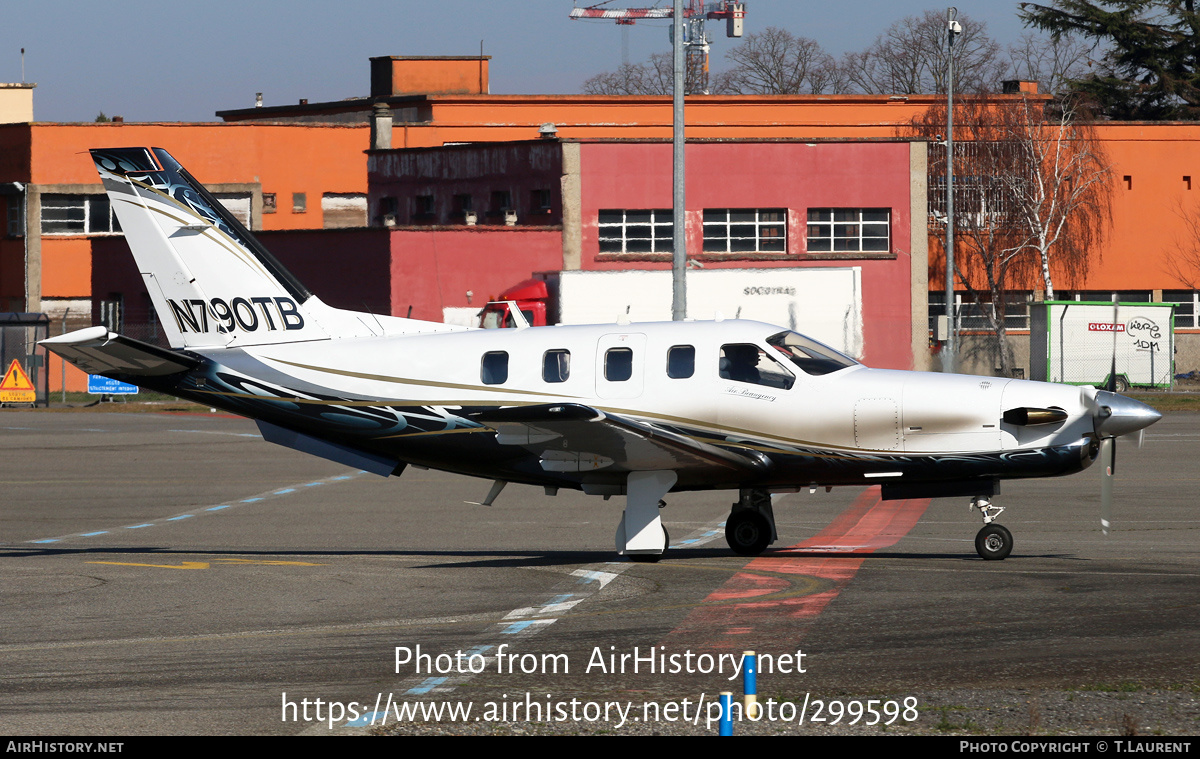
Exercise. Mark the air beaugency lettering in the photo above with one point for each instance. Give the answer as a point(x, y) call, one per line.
point(194, 314)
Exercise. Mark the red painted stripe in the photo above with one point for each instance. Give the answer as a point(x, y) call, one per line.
point(833, 555)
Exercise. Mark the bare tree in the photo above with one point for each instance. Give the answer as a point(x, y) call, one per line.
point(1031, 199)
point(655, 77)
point(1064, 201)
point(1051, 62)
point(776, 62)
point(911, 57)
point(1184, 262)
point(990, 257)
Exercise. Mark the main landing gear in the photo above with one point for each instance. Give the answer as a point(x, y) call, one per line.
point(994, 541)
point(750, 527)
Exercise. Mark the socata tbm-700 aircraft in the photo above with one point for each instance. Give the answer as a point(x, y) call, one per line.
point(617, 409)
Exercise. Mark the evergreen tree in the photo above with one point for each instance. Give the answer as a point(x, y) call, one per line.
point(1149, 53)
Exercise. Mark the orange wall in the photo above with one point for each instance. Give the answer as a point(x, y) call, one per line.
point(285, 158)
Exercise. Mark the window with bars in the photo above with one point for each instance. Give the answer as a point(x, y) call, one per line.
point(636, 231)
point(745, 230)
point(849, 229)
point(77, 215)
point(1187, 307)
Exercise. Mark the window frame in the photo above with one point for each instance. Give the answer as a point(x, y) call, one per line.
point(486, 371)
point(829, 241)
point(88, 204)
point(613, 236)
point(562, 368)
point(720, 226)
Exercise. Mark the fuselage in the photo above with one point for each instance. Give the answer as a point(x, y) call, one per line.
point(820, 419)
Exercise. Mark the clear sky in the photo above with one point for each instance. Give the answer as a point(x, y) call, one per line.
point(172, 61)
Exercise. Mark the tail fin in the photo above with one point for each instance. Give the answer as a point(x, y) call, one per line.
point(211, 282)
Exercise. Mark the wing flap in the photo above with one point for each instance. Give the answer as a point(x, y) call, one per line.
point(575, 437)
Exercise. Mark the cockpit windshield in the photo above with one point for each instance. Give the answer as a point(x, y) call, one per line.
point(812, 357)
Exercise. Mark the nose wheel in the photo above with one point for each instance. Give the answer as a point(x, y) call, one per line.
point(994, 542)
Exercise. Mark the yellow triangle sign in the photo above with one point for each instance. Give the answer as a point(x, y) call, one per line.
point(16, 387)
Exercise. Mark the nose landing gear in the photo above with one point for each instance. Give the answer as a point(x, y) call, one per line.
point(994, 542)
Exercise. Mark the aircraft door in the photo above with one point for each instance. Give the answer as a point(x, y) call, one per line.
point(620, 365)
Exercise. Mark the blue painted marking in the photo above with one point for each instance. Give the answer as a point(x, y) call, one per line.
point(366, 719)
point(478, 649)
point(47, 540)
point(93, 534)
point(559, 599)
point(217, 508)
point(250, 500)
point(312, 484)
point(287, 490)
point(429, 684)
point(184, 516)
point(516, 627)
point(689, 541)
point(139, 526)
point(343, 477)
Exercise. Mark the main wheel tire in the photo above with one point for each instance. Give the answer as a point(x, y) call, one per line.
point(994, 542)
point(747, 532)
point(1121, 385)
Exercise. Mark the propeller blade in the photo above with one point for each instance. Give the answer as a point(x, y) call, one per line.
point(1108, 452)
point(1112, 375)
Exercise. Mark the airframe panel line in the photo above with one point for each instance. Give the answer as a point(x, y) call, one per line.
point(201, 510)
point(866, 526)
point(518, 624)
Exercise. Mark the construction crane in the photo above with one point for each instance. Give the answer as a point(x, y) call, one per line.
point(695, 13)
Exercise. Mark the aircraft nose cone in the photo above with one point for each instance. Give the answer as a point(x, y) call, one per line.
point(1117, 415)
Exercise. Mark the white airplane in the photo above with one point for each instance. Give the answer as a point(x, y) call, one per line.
point(638, 410)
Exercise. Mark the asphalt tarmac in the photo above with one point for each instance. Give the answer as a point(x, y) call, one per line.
point(174, 574)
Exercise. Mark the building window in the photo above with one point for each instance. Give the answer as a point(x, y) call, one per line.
point(78, 215)
point(236, 203)
point(343, 209)
point(556, 366)
point(494, 369)
point(16, 219)
point(299, 202)
point(1187, 307)
point(849, 229)
point(681, 361)
point(745, 230)
point(387, 211)
point(540, 201)
point(636, 231)
point(269, 202)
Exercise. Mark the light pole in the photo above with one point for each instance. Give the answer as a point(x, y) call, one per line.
point(679, 238)
point(948, 354)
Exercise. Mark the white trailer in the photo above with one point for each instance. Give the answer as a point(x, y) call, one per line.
point(1086, 343)
point(824, 303)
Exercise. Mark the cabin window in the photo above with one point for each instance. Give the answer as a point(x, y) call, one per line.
point(681, 361)
point(745, 362)
point(618, 364)
point(494, 369)
point(556, 366)
point(849, 229)
point(745, 230)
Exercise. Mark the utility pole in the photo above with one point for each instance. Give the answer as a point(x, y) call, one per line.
point(949, 352)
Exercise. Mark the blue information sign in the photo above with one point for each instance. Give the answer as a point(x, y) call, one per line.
point(98, 385)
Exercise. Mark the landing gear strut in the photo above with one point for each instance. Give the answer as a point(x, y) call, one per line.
point(994, 541)
point(750, 527)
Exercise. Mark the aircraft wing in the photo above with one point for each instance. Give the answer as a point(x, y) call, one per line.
point(95, 350)
point(571, 437)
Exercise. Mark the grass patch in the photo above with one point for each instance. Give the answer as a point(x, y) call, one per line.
point(1169, 401)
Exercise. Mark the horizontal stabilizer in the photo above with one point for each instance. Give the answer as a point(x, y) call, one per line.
point(95, 350)
point(369, 462)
